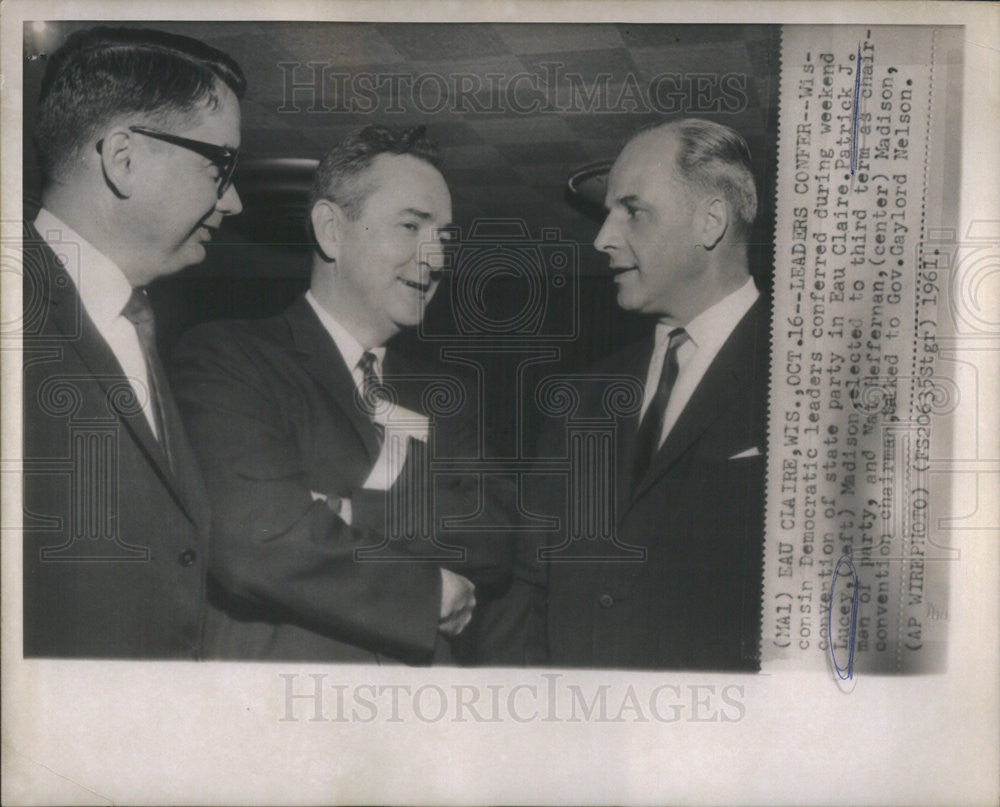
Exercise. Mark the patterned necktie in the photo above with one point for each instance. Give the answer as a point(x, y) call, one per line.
point(647, 439)
point(371, 391)
point(139, 312)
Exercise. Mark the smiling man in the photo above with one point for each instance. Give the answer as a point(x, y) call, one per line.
point(316, 437)
point(137, 136)
point(689, 470)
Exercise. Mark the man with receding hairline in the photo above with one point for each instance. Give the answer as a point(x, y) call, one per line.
point(137, 136)
point(318, 548)
point(689, 475)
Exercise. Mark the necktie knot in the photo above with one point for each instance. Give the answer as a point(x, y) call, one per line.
point(367, 363)
point(676, 338)
point(139, 312)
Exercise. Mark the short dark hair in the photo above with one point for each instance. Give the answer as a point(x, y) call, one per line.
point(713, 157)
point(340, 176)
point(101, 74)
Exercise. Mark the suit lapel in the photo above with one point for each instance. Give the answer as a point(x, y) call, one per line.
point(322, 360)
point(79, 334)
point(730, 372)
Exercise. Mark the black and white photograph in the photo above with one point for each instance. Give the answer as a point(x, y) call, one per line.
point(529, 404)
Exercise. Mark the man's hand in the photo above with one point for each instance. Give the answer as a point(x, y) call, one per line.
point(457, 601)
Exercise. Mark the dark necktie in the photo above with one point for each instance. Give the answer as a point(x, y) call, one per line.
point(647, 440)
point(139, 312)
point(371, 393)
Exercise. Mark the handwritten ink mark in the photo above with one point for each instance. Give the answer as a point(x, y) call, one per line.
point(854, 126)
point(843, 673)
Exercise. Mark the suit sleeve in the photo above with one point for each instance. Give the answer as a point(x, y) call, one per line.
point(271, 542)
point(469, 514)
point(509, 629)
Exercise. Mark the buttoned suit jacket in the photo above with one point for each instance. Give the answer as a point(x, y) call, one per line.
point(274, 417)
point(113, 562)
point(684, 588)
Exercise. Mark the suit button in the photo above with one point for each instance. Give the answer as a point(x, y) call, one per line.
point(606, 600)
point(187, 557)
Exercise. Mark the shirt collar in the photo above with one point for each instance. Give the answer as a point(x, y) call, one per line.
point(103, 287)
point(713, 326)
point(349, 347)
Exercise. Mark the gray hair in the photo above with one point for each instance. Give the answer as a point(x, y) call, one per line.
point(712, 157)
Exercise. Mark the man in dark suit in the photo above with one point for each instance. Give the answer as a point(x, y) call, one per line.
point(676, 581)
point(137, 136)
point(319, 442)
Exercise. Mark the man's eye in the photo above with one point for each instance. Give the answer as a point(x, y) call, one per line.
point(631, 212)
point(409, 225)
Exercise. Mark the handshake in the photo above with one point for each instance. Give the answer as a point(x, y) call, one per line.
point(457, 592)
point(458, 598)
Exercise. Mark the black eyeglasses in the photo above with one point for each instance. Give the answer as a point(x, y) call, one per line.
point(222, 157)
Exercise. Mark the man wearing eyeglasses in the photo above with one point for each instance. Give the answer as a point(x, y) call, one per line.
point(137, 137)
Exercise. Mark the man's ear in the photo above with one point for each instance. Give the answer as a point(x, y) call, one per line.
point(327, 222)
point(118, 162)
point(714, 221)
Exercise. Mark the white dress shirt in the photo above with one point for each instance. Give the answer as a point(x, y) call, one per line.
point(349, 347)
point(707, 334)
point(104, 290)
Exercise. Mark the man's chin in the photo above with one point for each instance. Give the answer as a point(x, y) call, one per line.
point(408, 316)
point(406, 323)
point(195, 255)
point(409, 313)
point(626, 300)
point(191, 254)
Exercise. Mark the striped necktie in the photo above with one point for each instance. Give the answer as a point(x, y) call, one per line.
point(371, 390)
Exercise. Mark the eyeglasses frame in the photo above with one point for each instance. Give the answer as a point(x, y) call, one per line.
point(223, 157)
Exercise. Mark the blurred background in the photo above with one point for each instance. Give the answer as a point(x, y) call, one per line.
point(528, 118)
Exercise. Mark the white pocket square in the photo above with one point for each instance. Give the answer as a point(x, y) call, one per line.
point(750, 452)
point(405, 422)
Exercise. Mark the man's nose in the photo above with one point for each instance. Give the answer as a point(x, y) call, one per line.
point(435, 258)
point(230, 204)
point(607, 240)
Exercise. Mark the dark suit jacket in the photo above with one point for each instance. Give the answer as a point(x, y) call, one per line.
point(271, 408)
point(113, 541)
point(690, 598)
